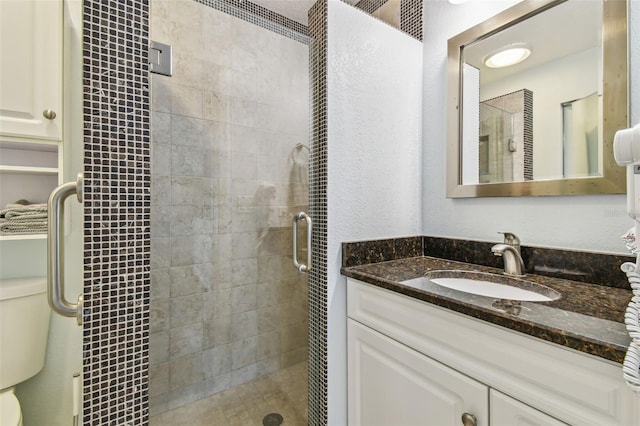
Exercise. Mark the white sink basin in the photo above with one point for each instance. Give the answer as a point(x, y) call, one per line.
point(484, 284)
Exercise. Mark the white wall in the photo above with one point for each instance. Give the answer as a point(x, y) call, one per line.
point(591, 223)
point(374, 103)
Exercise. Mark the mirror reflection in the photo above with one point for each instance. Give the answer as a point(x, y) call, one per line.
point(538, 85)
point(536, 94)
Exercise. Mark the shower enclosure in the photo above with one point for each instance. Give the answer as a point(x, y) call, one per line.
point(505, 151)
point(497, 145)
point(230, 153)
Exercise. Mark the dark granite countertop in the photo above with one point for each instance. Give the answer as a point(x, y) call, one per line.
point(588, 317)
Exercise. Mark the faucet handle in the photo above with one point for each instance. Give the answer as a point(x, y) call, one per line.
point(511, 239)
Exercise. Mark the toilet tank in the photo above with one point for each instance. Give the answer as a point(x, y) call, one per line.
point(24, 328)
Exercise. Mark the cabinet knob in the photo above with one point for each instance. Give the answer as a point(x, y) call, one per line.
point(469, 419)
point(49, 114)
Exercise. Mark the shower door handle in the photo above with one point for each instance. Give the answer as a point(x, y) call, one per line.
point(55, 250)
point(300, 266)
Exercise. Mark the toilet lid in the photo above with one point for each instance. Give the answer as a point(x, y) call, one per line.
point(9, 409)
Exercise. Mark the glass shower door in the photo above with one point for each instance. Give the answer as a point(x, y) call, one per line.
point(229, 313)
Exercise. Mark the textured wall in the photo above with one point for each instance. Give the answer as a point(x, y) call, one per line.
point(374, 102)
point(227, 304)
point(592, 223)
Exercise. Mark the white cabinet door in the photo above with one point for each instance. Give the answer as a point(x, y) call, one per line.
point(506, 411)
point(31, 68)
point(391, 384)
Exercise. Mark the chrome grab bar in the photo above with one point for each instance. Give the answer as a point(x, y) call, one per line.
point(299, 266)
point(55, 250)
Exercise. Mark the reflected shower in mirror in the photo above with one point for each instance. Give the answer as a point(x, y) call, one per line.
point(536, 93)
point(581, 137)
point(524, 58)
point(504, 141)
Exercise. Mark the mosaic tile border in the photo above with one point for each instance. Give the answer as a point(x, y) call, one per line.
point(262, 17)
point(528, 134)
point(411, 18)
point(410, 14)
point(318, 178)
point(370, 6)
point(116, 212)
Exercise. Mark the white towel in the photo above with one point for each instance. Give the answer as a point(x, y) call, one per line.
point(9, 227)
point(23, 218)
point(16, 210)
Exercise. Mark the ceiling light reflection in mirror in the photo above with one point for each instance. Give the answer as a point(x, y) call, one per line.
point(565, 67)
point(508, 56)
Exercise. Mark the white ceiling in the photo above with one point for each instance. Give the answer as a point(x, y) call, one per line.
point(292, 9)
point(558, 32)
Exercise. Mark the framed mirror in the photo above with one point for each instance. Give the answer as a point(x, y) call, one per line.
point(544, 123)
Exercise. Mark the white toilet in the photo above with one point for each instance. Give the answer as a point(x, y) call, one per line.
point(24, 327)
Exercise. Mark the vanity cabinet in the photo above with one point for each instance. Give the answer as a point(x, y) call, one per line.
point(391, 384)
point(31, 69)
point(411, 362)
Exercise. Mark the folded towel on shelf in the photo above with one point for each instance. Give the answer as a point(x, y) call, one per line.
point(11, 227)
point(23, 217)
point(16, 210)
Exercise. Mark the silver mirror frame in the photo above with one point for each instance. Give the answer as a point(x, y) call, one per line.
point(615, 106)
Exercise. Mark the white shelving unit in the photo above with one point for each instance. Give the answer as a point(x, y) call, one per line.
point(29, 170)
point(19, 170)
point(31, 103)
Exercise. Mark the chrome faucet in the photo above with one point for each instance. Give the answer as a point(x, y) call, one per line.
point(510, 252)
point(511, 239)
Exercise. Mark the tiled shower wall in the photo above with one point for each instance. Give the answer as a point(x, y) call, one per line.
point(229, 162)
point(517, 166)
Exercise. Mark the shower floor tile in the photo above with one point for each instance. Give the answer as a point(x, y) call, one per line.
point(283, 392)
